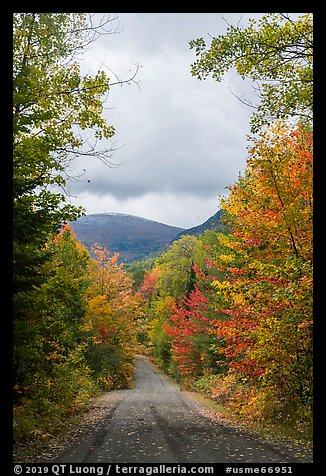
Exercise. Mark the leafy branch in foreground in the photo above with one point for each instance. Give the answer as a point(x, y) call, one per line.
point(275, 52)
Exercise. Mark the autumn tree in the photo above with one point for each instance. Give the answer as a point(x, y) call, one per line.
point(171, 277)
point(276, 53)
point(78, 337)
point(194, 346)
point(148, 288)
point(266, 292)
point(112, 312)
point(188, 326)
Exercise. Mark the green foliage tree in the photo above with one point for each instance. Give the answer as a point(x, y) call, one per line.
point(158, 312)
point(136, 270)
point(276, 52)
point(52, 103)
point(51, 377)
point(175, 267)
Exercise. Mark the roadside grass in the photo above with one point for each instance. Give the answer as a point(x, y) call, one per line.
point(285, 431)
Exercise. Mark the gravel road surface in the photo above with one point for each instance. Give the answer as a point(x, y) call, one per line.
point(157, 423)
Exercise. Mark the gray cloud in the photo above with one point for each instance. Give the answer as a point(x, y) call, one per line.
point(182, 137)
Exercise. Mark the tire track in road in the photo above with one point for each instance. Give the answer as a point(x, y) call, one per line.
point(157, 423)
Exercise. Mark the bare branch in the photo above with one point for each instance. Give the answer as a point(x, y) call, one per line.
point(243, 100)
point(229, 24)
point(129, 80)
point(104, 155)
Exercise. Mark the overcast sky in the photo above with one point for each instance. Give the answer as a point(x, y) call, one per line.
point(180, 141)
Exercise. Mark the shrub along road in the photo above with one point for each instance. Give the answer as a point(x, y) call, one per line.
point(155, 422)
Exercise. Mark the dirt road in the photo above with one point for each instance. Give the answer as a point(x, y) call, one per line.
point(157, 423)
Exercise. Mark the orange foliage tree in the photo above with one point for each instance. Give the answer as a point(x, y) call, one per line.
point(266, 292)
point(112, 311)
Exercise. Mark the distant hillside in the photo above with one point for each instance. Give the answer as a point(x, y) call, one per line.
point(209, 224)
point(134, 238)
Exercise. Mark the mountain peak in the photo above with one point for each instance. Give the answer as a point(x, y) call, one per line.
point(134, 238)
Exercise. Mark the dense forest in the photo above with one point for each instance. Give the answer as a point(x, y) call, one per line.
point(228, 313)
